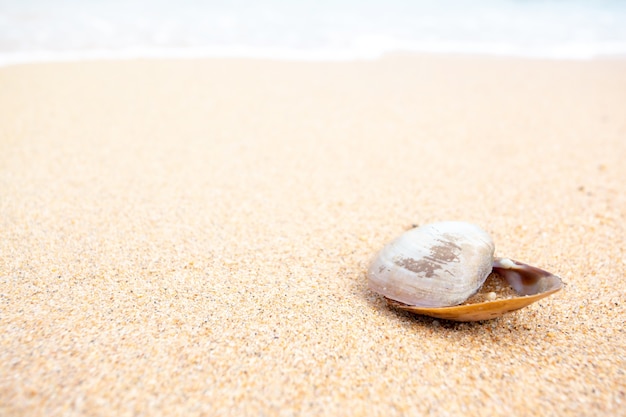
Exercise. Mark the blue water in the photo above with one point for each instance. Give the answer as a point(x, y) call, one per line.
point(37, 30)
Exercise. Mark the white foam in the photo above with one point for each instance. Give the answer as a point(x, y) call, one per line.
point(21, 57)
point(41, 30)
point(560, 52)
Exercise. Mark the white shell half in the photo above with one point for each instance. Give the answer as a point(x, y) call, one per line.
point(436, 265)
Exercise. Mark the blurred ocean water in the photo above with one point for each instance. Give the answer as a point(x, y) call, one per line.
point(40, 30)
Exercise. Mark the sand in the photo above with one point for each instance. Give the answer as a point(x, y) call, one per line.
point(191, 237)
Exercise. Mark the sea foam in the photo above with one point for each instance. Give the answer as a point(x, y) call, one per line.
point(39, 30)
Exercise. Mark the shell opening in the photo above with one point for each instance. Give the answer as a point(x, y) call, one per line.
point(526, 279)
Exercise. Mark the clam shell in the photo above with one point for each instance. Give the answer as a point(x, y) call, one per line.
point(436, 265)
point(529, 282)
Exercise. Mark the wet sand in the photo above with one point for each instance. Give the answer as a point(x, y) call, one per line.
point(191, 237)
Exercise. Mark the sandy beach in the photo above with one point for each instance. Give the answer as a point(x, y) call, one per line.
point(192, 237)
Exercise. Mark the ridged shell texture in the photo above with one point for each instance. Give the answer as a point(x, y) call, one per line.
point(435, 265)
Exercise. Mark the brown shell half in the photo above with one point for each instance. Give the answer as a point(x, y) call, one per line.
point(529, 282)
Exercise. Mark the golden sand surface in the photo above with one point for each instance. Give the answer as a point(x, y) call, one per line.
point(191, 237)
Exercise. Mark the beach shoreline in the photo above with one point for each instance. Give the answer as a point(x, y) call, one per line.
point(277, 55)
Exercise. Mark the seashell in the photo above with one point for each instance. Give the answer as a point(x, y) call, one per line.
point(433, 269)
point(436, 265)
